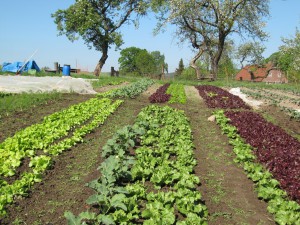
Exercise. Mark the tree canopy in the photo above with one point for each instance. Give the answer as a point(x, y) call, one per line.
point(97, 23)
point(288, 56)
point(140, 61)
point(180, 68)
point(208, 23)
point(250, 52)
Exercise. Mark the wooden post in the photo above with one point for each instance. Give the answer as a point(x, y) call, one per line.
point(162, 72)
point(112, 71)
point(56, 68)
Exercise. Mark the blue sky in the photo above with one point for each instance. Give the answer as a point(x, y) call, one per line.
point(27, 26)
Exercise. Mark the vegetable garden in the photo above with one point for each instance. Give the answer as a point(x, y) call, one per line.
point(159, 160)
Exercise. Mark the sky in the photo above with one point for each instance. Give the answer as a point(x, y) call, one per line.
point(27, 28)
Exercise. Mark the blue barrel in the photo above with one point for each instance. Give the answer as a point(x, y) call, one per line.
point(66, 70)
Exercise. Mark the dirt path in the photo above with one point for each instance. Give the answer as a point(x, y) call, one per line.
point(192, 94)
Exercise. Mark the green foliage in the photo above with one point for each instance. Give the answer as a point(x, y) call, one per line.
point(95, 22)
point(121, 195)
point(188, 74)
point(130, 91)
point(180, 68)
point(106, 81)
point(177, 93)
point(227, 69)
point(159, 61)
point(46, 136)
point(287, 58)
point(140, 61)
point(145, 63)
point(250, 52)
point(127, 59)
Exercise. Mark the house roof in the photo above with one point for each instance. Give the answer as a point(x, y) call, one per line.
point(259, 72)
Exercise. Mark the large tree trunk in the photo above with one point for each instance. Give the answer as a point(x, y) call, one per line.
point(216, 58)
point(102, 60)
point(214, 69)
point(195, 66)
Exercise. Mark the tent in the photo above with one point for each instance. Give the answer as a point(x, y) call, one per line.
point(15, 66)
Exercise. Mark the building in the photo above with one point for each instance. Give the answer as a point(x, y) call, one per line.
point(266, 73)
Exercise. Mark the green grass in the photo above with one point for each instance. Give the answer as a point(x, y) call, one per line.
point(294, 87)
point(19, 102)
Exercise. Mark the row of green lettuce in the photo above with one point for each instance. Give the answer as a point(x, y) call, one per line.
point(177, 93)
point(285, 211)
point(37, 144)
point(129, 91)
point(147, 175)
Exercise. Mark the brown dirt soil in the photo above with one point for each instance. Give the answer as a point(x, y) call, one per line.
point(227, 192)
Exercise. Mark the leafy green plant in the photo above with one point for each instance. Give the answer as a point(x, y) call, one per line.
point(160, 160)
point(177, 93)
point(130, 91)
point(27, 142)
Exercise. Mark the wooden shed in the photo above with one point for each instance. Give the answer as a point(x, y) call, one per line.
point(266, 73)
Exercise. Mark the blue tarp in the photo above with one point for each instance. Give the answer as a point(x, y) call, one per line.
point(15, 66)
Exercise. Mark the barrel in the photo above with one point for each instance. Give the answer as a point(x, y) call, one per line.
point(66, 70)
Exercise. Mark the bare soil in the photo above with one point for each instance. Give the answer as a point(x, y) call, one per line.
point(226, 191)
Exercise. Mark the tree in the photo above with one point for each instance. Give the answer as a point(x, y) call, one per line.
point(273, 58)
point(159, 62)
point(127, 59)
point(97, 23)
point(208, 23)
point(290, 52)
point(166, 67)
point(145, 63)
point(250, 52)
point(289, 57)
point(140, 61)
point(180, 68)
point(226, 65)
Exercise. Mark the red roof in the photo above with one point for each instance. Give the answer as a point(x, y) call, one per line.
point(258, 72)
